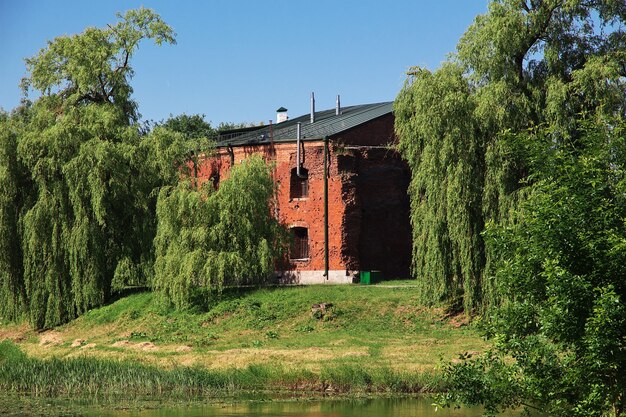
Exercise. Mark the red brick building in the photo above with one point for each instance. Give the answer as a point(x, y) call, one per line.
point(356, 217)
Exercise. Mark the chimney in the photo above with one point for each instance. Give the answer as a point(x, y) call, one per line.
point(281, 115)
point(312, 108)
point(338, 106)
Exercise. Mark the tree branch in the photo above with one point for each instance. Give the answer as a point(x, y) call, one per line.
point(532, 406)
point(533, 37)
point(105, 95)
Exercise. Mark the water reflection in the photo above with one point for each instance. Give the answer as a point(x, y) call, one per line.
point(405, 407)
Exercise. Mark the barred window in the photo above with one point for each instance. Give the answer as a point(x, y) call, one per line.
point(299, 187)
point(300, 243)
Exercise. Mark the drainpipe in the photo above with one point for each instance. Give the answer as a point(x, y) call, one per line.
point(298, 138)
point(273, 156)
point(272, 150)
point(326, 207)
point(231, 153)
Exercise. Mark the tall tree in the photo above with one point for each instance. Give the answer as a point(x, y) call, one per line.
point(558, 338)
point(523, 64)
point(80, 149)
point(14, 188)
point(535, 100)
point(94, 66)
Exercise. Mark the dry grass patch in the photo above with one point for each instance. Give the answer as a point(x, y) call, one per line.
point(184, 348)
point(16, 332)
point(50, 338)
point(78, 343)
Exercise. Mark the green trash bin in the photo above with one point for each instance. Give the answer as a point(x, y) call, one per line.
point(370, 277)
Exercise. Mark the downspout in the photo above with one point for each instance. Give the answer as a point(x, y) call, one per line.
point(298, 138)
point(274, 176)
point(326, 207)
point(272, 150)
point(298, 150)
point(231, 153)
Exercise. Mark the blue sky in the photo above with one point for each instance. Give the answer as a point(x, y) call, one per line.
point(238, 61)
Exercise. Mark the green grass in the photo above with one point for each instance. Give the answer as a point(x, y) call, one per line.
point(397, 283)
point(85, 376)
point(283, 313)
point(373, 338)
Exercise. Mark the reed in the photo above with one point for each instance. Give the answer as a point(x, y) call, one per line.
point(89, 377)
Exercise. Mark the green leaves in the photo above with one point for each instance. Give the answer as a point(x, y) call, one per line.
point(13, 183)
point(517, 151)
point(442, 143)
point(563, 322)
point(208, 239)
point(488, 380)
point(76, 193)
point(521, 65)
point(94, 66)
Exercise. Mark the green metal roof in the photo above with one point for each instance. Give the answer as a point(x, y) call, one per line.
point(326, 124)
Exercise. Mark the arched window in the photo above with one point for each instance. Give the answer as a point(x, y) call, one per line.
point(299, 185)
point(299, 243)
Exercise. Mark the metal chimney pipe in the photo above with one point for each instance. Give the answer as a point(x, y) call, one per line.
point(298, 138)
point(312, 107)
point(338, 106)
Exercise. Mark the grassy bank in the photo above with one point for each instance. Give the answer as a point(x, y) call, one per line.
point(91, 377)
point(371, 339)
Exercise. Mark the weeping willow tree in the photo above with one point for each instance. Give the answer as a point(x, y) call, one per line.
point(75, 193)
point(208, 239)
point(13, 185)
point(523, 64)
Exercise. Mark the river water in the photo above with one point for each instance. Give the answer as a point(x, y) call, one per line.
point(404, 407)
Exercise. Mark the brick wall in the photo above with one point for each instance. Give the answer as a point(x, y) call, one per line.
point(377, 216)
point(367, 201)
point(299, 212)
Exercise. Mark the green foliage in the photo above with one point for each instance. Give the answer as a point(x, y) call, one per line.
point(192, 127)
point(210, 239)
point(198, 136)
point(517, 201)
point(76, 193)
point(126, 275)
point(520, 65)
point(562, 269)
point(94, 65)
point(80, 181)
point(12, 194)
point(447, 182)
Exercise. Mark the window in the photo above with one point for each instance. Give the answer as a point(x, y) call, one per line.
point(215, 179)
point(299, 187)
point(300, 243)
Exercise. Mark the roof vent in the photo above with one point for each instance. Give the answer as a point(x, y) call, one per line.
point(281, 115)
point(312, 108)
point(338, 106)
